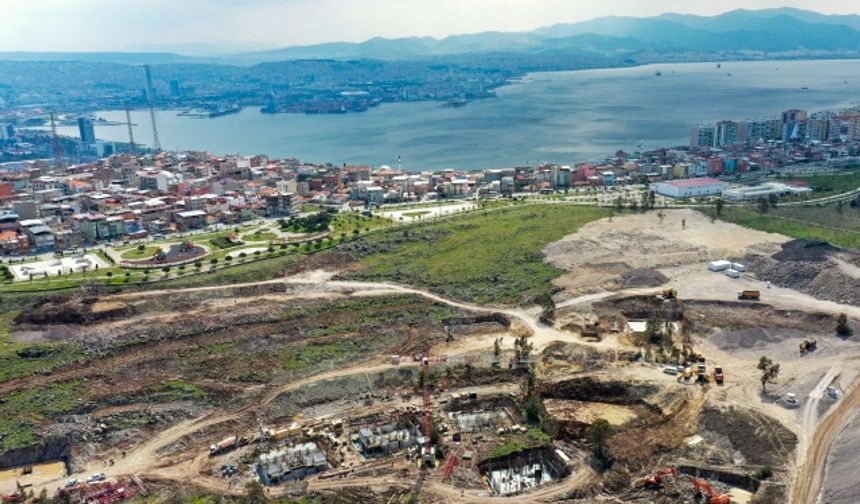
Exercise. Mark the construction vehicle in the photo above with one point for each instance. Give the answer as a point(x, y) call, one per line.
point(718, 375)
point(656, 480)
point(807, 346)
point(703, 488)
point(225, 445)
point(749, 295)
point(685, 374)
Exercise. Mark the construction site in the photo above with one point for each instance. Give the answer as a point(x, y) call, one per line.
point(652, 382)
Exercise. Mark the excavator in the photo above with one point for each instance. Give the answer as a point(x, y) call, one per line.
point(656, 480)
point(703, 488)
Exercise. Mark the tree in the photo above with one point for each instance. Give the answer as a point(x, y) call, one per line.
point(141, 247)
point(547, 305)
point(255, 493)
point(522, 352)
point(773, 199)
point(718, 205)
point(598, 434)
point(497, 352)
point(763, 205)
point(109, 274)
point(214, 261)
point(769, 371)
point(842, 327)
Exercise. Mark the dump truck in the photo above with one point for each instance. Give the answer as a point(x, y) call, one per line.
point(807, 346)
point(752, 295)
point(225, 445)
point(718, 375)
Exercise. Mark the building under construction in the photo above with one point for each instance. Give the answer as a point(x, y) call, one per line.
point(290, 463)
point(482, 420)
point(388, 438)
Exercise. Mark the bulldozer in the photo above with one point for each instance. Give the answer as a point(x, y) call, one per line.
point(704, 489)
point(656, 479)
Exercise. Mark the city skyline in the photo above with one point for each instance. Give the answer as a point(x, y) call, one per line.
point(216, 26)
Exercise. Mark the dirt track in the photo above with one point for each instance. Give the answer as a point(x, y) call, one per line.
point(807, 487)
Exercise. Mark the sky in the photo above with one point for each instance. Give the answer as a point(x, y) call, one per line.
point(199, 26)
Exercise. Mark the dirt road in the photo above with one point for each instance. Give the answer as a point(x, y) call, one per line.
point(807, 487)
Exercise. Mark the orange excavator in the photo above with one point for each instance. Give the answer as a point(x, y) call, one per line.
point(705, 488)
point(657, 479)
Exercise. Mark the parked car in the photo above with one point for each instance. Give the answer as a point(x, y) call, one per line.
point(95, 478)
point(672, 370)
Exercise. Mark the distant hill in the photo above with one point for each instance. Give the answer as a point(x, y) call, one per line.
point(767, 32)
point(128, 58)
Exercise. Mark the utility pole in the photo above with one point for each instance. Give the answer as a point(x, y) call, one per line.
point(130, 131)
point(58, 147)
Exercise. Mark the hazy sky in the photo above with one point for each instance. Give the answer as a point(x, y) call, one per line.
point(99, 25)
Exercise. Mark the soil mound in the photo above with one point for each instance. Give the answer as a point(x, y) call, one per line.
point(805, 250)
point(643, 277)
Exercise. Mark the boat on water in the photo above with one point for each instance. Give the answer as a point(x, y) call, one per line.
point(658, 73)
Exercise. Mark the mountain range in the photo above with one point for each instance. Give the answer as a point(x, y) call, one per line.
point(785, 32)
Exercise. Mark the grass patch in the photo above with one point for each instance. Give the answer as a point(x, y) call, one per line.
point(178, 390)
point(23, 359)
point(830, 184)
point(486, 257)
point(520, 442)
point(223, 242)
point(807, 222)
point(260, 236)
point(136, 253)
point(308, 356)
point(23, 411)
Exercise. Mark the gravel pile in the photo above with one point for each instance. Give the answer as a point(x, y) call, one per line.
point(643, 277)
point(805, 250)
point(745, 339)
point(810, 267)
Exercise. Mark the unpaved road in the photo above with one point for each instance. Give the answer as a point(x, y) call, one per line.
point(807, 487)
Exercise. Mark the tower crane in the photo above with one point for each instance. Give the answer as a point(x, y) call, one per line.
point(428, 453)
point(58, 147)
point(132, 146)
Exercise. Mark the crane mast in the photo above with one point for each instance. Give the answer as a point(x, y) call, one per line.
point(132, 146)
point(58, 147)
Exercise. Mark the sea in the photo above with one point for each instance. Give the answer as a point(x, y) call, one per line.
point(559, 117)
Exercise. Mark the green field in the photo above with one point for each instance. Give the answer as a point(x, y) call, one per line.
point(146, 253)
point(23, 411)
point(827, 185)
point(807, 222)
point(487, 257)
point(260, 236)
